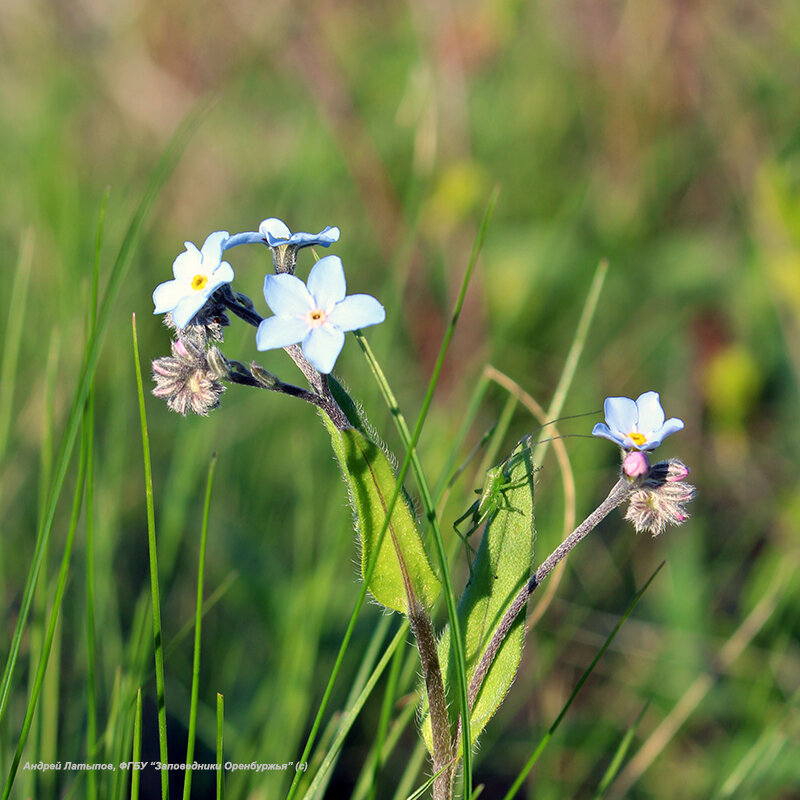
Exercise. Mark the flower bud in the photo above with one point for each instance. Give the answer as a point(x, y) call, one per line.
point(265, 379)
point(635, 464)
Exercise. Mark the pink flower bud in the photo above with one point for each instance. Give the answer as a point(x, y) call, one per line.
point(635, 464)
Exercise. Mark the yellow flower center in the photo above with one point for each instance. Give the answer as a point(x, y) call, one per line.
point(316, 317)
point(199, 281)
point(637, 438)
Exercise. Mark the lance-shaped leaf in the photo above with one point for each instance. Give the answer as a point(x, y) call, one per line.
point(501, 568)
point(401, 556)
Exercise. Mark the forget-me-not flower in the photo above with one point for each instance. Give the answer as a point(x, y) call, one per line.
point(276, 234)
point(636, 425)
point(198, 273)
point(316, 315)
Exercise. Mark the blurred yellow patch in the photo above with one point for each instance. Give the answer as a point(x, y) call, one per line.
point(462, 188)
point(732, 383)
point(784, 274)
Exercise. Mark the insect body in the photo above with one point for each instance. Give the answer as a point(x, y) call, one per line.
point(492, 498)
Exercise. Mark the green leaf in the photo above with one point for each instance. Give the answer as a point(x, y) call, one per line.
point(501, 568)
point(401, 556)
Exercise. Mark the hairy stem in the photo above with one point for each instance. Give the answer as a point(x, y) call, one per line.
point(422, 628)
point(618, 494)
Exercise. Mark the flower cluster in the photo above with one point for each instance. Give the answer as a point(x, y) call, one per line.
point(314, 315)
point(658, 495)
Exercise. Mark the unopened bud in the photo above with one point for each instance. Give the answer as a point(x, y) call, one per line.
point(218, 363)
point(635, 464)
point(265, 379)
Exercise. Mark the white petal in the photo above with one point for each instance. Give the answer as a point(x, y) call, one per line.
point(274, 226)
point(222, 274)
point(326, 282)
point(287, 295)
point(322, 347)
point(357, 311)
point(187, 308)
point(167, 295)
point(621, 414)
point(188, 263)
point(651, 415)
point(280, 332)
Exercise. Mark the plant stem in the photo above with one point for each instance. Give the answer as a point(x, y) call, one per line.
point(618, 494)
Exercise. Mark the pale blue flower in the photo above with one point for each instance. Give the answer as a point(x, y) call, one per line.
point(275, 233)
point(636, 425)
point(316, 315)
point(198, 273)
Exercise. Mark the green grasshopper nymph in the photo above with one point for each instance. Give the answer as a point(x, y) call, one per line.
point(492, 498)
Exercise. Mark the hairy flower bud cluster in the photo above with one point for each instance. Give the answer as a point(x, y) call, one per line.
point(187, 379)
point(661, 498)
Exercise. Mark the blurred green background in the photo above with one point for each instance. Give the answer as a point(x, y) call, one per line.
point(663, 136)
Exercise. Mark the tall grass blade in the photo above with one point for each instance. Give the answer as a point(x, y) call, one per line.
point(88, 423)
point(154, 590)
point(619, 755)
point(61, 586)
point(137, 746)
point(92, 353)
point(187, 783)
point(410, 441)
point(220, 773)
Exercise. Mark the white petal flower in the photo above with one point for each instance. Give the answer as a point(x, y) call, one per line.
point(316, 315)
point(636, 425)
point(198, 274)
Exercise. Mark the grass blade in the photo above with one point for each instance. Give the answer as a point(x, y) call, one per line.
point(154, 590)
point(61, 586)
point(410, 441)
point(619, 755)
point(137, 746)
point(187, 783)
point(220, 773)
point(164, 167)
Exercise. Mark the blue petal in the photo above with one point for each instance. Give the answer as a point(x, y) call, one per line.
point(357, 311)
point(651, 415)
point(672, 425)
point(322, 347)
point(212, 248)
point(187, 308)
point(601, 429)
point(280, 332)
point(287, 295)
point(324, 238)
point(326, 282)
point(621, 414)
point(249, 237)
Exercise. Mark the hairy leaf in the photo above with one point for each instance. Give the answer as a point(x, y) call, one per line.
point(501, 568)
point(402, 562)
